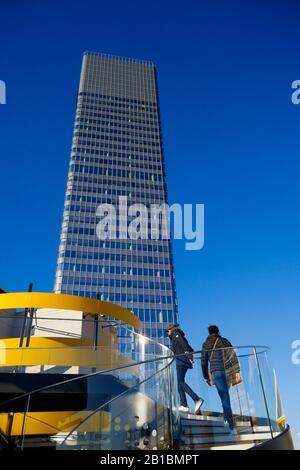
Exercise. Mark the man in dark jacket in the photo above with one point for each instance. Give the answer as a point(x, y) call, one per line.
point(184, 361)
point(218, 357)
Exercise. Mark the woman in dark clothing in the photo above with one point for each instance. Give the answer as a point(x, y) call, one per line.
point(183, 353)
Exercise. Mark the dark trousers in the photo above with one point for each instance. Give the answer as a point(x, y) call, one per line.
point(183, 387)
point(220, 380)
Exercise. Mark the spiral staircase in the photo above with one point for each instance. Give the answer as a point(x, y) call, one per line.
point(107, 387)
point(208, 432)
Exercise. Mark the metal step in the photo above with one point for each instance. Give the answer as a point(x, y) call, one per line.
point(201, 417)
point(218, 418)
point(205, 422)
point(227, 439)
point(207, 431)
point(207, 427)
point(220, 447)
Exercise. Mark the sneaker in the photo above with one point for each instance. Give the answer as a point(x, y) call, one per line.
point(184, 409)
point(198, 405)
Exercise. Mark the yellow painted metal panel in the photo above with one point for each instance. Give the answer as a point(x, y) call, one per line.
point(68, 302)
point(49, 342)
point(59, 352)
point(50, 423)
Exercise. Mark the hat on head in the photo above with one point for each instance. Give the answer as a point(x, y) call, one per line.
point(172, 327)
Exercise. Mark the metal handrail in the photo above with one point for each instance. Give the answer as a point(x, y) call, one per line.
point(85, 376)
point(114, 398)
point(170, 358)
point(125, 366)
point(77, 426)
point(19, 317)
point(192, 353)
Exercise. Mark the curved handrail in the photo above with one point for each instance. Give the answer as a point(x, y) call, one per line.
point(125, 366)
point(102, 406)
point(169, 358)
point(15, 300)
point(114, 398)
point(84, 376)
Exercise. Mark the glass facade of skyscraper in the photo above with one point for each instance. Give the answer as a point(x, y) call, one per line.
point(117, 151)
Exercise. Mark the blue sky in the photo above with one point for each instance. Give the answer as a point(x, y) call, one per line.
point(231, 138)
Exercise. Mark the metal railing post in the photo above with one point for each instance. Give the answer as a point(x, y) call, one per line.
point(170, 393)
point(23, 330)
point(29, 326)
point(24, 421)
point(96, 327)
point(96, 331)
point(263, 391)
point(10, 421)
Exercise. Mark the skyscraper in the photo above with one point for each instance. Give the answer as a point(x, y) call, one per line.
point(117, 151)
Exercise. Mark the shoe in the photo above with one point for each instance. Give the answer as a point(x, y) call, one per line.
point(198, 405)
point(184, 409)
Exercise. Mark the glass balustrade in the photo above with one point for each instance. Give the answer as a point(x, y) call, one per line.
point(116, 389)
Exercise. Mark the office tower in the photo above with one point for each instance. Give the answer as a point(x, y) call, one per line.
point(117, 151)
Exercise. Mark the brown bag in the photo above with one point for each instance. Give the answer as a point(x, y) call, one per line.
point(232, 373)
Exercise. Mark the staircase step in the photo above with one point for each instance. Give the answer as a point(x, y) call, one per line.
point(205, 416)
point(204, 431)
point(209, 423)
point(208, 428)
point(200, 417)
point(244, 446)
point(227, 439)
point(218, 420)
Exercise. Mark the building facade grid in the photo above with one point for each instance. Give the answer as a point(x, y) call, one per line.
point(117, 151)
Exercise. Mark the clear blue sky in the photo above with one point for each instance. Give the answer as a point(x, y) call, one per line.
point(231, 139)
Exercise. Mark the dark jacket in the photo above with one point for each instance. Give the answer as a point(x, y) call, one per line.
point(216, 360)
point(180, 345)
